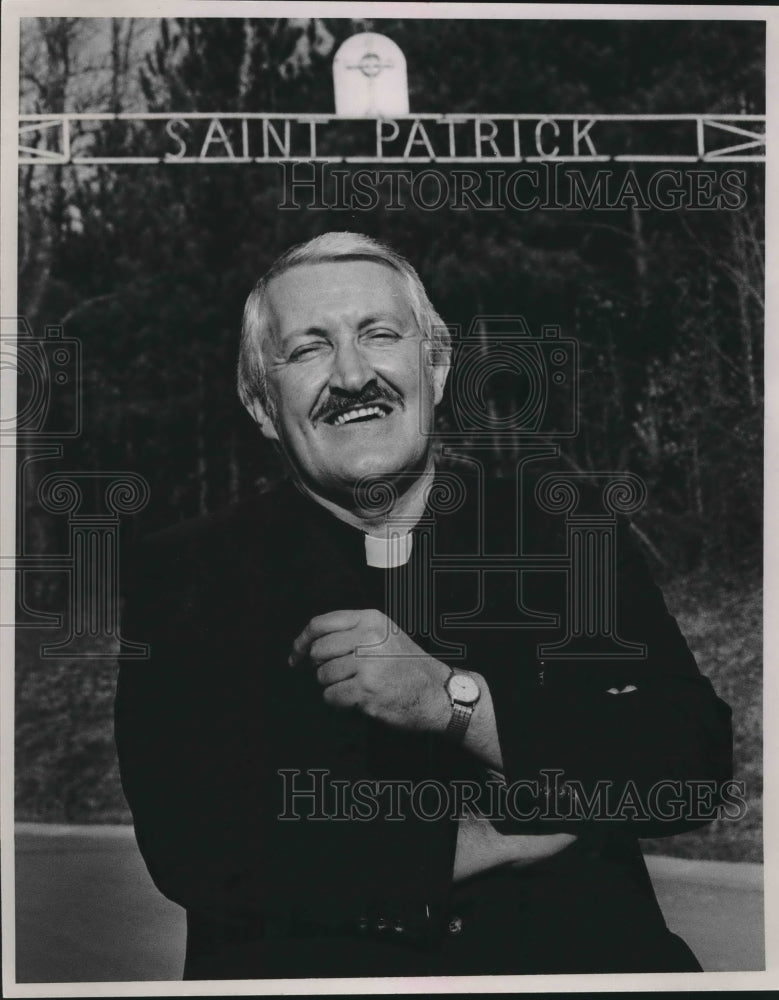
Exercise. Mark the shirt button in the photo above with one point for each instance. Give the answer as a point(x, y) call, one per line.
point(398, 927)
point(455, 925)
point(382, 924)
point(362, 924)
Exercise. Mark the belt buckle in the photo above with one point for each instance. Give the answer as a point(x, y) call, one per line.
point(419, 924)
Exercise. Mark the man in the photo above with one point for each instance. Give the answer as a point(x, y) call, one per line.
point(314, 689)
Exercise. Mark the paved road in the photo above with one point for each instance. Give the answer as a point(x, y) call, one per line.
point(87, 910)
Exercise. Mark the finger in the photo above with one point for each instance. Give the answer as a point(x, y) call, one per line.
point(333, 621)
point(333, 645)
point(345, 694)
point(336, 671)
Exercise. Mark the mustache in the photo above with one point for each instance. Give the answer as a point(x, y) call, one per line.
point(372, 394)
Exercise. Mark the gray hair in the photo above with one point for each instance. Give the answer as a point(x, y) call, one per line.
point(327, 248)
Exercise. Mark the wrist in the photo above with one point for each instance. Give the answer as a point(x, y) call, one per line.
point(441, 705)
point(464, 693)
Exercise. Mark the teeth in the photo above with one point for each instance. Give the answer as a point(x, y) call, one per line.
point(363, 411)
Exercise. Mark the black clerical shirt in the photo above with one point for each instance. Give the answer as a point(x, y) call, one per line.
point(215, 732)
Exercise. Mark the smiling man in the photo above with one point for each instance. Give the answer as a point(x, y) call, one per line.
point(342, 361)
point(332, 763)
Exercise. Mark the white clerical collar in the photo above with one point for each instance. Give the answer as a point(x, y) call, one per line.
point(390, 550)
point(391, 547)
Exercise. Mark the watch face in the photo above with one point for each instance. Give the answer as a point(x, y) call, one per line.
point(463, 688)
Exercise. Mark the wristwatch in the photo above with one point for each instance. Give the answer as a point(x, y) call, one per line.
point(463, 692)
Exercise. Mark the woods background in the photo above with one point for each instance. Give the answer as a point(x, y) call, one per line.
point(148, 267)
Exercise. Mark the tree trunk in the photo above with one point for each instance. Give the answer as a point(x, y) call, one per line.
point(200, 441)
point(740, 279)
point(640, 256)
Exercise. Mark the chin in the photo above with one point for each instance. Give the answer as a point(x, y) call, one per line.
point(383, 466)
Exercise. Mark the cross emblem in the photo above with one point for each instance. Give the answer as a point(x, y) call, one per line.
point(371, 65)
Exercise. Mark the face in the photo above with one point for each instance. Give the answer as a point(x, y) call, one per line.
point(352, 393)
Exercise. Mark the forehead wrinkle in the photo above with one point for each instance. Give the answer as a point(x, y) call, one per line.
point(393, 284)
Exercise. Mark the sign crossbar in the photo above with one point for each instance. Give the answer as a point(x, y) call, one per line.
point(260, 137)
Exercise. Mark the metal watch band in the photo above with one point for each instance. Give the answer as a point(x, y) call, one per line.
point(460, 720)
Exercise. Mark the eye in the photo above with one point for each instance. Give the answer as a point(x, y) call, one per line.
point(382, 334)
point(306, 351)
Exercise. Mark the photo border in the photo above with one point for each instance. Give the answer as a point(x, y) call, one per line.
point(13, 11)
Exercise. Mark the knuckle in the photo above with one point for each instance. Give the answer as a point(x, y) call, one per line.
point(376, 633)
point(369, 677)
point(362, 652)
point(370, 708)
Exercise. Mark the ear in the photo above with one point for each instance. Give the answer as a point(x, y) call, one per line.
point(263, 420)
point(441, 368)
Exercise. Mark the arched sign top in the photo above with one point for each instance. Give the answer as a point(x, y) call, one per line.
point(369, 77)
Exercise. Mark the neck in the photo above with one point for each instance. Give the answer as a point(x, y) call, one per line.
point(402, 516)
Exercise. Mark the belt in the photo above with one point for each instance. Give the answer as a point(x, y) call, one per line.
point(421, 925)
point(418, 925)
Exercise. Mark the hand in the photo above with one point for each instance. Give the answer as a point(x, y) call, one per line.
point(392, 680)
point(480, 847)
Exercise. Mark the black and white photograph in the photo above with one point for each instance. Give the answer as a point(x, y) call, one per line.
point(386, 498)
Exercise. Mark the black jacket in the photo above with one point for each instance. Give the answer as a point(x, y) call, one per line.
point(215, 731)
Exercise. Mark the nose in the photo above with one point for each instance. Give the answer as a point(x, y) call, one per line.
point(350, 371)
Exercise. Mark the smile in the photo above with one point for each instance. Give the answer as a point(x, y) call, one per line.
point(360, 414)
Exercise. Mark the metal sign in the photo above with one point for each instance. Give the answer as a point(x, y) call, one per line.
point(369, 77)
point(233, 138)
